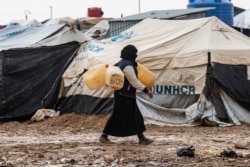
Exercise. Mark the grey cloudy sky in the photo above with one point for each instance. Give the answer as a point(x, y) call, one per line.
point(41, 9)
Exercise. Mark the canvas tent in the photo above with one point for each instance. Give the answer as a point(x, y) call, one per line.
point(30, 78)
point(18, 36)
point(201, 67)
point(242, 20)
point(83, 24)
point(102, 28)
point(33, 23)
point(32, 61)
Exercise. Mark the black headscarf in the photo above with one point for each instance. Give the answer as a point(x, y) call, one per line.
point(129, 52)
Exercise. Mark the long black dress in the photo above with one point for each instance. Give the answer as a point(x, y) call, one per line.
point(126, 118)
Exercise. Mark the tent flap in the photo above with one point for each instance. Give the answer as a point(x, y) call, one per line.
point(31, 77)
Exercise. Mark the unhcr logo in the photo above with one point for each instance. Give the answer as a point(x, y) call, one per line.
point(118, 38)
point(122, 36)
point(93, 48)
point(173, 89)
point(14, 33)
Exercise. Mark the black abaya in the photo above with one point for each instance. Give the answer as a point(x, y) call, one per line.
point(126, 118)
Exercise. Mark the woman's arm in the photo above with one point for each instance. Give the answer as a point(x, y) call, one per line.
point(133, 80)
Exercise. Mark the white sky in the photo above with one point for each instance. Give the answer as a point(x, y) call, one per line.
point(41, 9)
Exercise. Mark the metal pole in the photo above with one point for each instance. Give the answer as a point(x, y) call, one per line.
point(51, 11)
point(26, 13)
point(139, 6)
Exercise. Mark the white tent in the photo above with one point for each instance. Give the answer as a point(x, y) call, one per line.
point(181, 53)
point(33, 23)
point(19, 36)
point(99, 31)
point(242, 20)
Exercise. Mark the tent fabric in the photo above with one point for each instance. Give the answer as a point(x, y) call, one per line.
point(178, 52)
point(87, 23)
point(238, 87)
point(179, 39)
point(34, 23)
point(82, 24)
point(242, 20)
point(89, 105)
point(102, 27)
point(30, 78)
point(32, 36)
point(11, 37)
point(65, 35)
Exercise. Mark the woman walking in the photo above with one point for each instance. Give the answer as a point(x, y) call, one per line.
point(126, 118)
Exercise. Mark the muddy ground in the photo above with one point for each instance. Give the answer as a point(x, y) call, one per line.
point(72, 140)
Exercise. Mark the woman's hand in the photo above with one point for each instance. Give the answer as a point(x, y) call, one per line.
point(150, 94)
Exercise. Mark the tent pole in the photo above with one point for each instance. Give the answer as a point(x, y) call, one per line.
point(209, 57)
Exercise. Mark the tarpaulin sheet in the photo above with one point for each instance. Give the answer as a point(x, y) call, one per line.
point(23, 36)
point(30, 78)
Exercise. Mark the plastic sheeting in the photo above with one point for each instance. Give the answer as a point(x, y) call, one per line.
point(182, 113)
point(23, 36)
point(30, 79)
point(242, 20)
point(19, 36)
